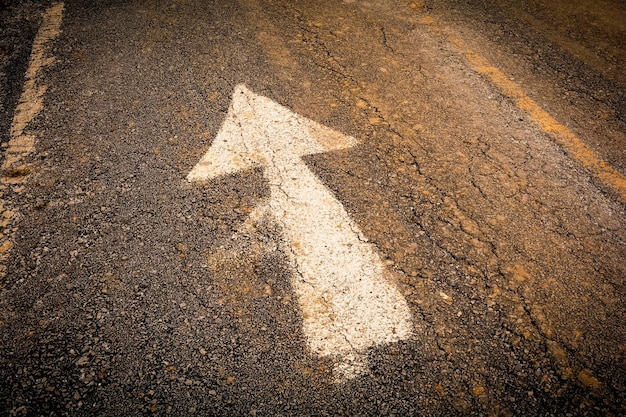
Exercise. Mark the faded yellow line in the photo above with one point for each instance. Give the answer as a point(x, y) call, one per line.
point(572, 144)
point(21, 144)
point(31, 100)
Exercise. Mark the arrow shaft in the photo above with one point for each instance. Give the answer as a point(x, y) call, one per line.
point(347, 303)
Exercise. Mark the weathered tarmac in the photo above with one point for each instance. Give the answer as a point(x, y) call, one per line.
point(485, 171)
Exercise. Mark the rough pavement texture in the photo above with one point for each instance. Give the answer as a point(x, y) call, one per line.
point(129, 292)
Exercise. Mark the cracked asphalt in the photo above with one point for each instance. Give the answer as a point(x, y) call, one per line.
point(127, 290)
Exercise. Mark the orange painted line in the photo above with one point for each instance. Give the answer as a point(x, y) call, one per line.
point(572, 144)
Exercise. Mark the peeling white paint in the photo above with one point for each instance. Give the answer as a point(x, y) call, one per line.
point(347, 304)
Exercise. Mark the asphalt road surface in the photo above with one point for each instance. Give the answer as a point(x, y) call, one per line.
point(270, 207)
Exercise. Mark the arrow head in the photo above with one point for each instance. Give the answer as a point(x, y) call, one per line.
point(258, 131)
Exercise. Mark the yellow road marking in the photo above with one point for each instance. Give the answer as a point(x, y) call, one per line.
point(31, 100)
point(572, 144)
point(21, 144)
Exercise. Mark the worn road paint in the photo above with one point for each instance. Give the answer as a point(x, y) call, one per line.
point(31, 100)
point(347, 303)
point(572, 144)
point(22, 144)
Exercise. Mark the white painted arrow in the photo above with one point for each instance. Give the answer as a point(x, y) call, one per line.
point(347, 304)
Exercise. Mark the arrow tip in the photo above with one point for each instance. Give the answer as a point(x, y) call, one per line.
point(255, 129)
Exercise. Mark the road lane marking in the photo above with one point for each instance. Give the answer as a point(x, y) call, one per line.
point(21, 144)
point(573, 145)
point(347, 303)
point(31, 100)
point(570, 142)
